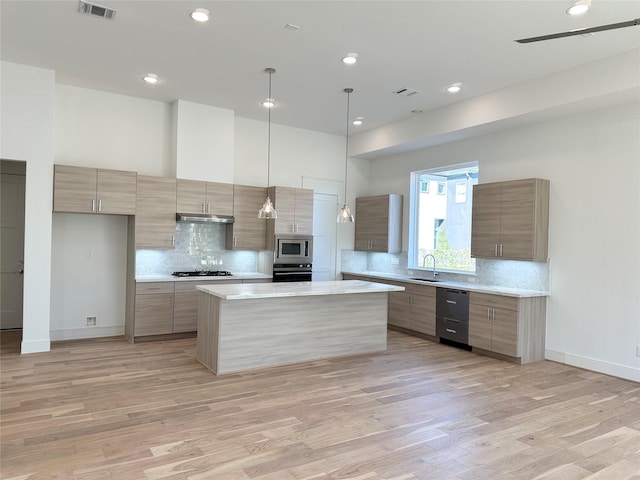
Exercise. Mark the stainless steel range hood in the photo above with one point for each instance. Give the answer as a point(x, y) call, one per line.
point(203, 218)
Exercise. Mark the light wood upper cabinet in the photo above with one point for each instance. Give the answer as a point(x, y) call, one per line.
point(379, 223)
point(155, 213)
point(91, 190)
point(511, 220)
point(194, 196)
point(295, 212)
point(248, 232)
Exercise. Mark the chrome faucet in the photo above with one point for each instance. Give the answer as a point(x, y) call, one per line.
point(424, 263)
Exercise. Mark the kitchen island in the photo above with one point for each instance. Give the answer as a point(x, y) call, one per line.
point(247, 326)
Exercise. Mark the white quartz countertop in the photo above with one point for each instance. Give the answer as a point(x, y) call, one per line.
point(471, 287)
point(171, 278)
point(248, 291)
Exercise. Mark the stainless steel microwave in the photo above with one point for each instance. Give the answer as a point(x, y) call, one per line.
point(294, 249)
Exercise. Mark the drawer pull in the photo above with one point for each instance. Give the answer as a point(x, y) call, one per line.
point(450, 330)
point(451, 301)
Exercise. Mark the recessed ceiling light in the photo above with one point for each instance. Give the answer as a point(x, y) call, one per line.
point(200, 15)
point(454, 87)
point(151, 78)
point(358, 121)
point(350, 59)
point(268, 103)
point(578, 8)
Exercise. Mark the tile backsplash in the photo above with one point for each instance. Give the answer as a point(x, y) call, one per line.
point(501, 273)
point(199, 246)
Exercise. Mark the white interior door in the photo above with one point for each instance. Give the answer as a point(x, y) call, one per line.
point(11, 250)
point(325, 207)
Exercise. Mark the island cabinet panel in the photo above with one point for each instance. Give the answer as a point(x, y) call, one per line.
point(153, 313)
point(511, 220)
point(295, 213)
point(91, 190)
point(155, 225)
point(379, 223)
point(243, 334)
point(508, 325)
point(195, 196)
point(248, 232)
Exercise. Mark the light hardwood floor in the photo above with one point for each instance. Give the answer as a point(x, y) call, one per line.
point(106, 409)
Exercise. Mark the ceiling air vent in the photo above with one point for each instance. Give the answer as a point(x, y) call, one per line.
point(406, 92)
point(97, 10)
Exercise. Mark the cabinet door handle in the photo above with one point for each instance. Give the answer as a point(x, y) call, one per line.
point(496, 250)
point(450, 330)
point(488, 314)
point(100, 205)
point(234, 241)
point(208, 207)
point(93, 204)
point(493, 314)
point(501, 245)
point(173, 240)
point(451, 301)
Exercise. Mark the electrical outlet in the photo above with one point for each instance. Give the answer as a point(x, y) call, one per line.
point(91, 321)
point(89, 254)
point(637, 350)
point(395, 261)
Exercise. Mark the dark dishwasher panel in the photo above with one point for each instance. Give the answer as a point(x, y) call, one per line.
point(452, 329)
point(452, 315)
point(452, 303)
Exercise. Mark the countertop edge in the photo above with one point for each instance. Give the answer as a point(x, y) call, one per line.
point(171, 278)
point(472, 287)
point(296, 289)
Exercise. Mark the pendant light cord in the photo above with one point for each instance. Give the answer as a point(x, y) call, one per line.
point(346, 148)
point(269, 135)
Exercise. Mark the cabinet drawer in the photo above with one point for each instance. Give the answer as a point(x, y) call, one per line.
point(452, 329)
point(414, 289)
point(190, 286)
point(148, 288)
point(452, 303)
point(496, 301)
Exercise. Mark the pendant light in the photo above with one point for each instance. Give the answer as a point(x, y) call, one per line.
point(268, 211)
point(345, 215)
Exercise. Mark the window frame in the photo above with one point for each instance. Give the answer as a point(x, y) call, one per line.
point(414, 191)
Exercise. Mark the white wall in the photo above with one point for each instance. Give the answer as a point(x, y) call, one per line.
point(106, 130)
point(204, 142)
point(295, 153)
point(89, 266)
point(27, 133)
point(593, 162)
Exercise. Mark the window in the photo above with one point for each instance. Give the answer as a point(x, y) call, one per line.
point(424, 186)
point(461, 192)
point(440, 224)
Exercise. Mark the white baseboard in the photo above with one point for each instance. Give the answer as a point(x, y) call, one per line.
point(35, 346)
point(87, 332)
point(609, 368)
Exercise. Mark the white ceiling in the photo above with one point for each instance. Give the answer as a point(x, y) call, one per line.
point(424, 45)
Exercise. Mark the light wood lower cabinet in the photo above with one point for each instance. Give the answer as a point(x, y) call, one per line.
point(169, 307)
point(414, 309)
point(508, 325)
point(185, 307)
point(153, 313)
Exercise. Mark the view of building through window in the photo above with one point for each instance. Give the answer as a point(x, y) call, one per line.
point(441, 217)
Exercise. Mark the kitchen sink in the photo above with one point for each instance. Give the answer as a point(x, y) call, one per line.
point(430, 280)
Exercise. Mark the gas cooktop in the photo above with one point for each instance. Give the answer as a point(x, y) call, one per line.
point(203, 273)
